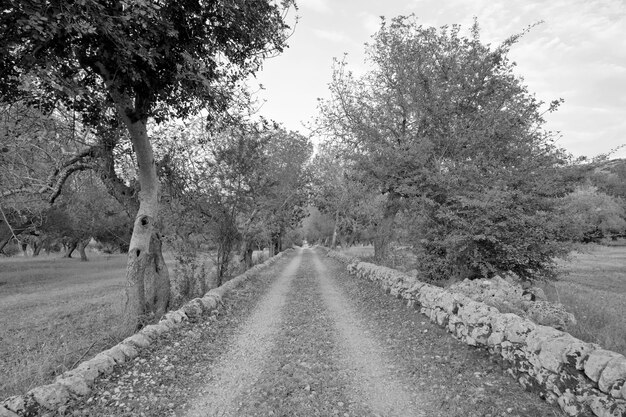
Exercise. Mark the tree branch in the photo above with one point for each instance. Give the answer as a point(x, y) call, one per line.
point(64, 174)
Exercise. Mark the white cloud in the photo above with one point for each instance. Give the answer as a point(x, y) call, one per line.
point(331, 35)
point(319, 6)
point(370, 21)
point(579, 53)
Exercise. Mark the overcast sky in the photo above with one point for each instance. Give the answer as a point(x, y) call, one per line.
point(578, 54)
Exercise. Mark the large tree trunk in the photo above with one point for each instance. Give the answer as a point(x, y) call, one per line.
point(145, 267)
point(384, 229)
point(156, 279)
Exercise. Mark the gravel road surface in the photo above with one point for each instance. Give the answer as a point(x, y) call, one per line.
point(307, 339)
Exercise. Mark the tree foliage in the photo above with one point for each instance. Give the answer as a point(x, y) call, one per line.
point(338, 193)
point(442, 126)
point(590, 214)
point(240, 187)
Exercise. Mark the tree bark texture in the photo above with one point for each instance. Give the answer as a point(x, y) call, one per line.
point(145, 267)
point(156, 280)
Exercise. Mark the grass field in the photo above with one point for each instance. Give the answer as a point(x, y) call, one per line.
point(591, 285)
point(53, 312)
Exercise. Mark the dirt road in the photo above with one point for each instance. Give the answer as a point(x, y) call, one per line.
point(317, 342)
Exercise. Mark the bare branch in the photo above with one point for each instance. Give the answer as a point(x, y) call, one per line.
point(64, 175)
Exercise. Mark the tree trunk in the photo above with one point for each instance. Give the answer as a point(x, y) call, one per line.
point(4, 241)
point(24, 247)
point(276, 244)
point(82, 245)
point(246, 253)
point(71, 246)
point(156, 279)
point(333, 242)
point(384, 229)
point(145, 267)
point(38, 243)
point(37, 248)
point(6, 232)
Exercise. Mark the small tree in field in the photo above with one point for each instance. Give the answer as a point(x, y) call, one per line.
point(441, 126)
point(134, 62)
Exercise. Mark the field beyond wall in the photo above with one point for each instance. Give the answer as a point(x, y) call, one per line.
point(592, 286)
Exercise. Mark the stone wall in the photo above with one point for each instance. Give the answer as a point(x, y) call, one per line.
point(583, 378)
point(78, 381)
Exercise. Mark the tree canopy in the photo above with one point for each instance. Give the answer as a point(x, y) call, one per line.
point(443, 127)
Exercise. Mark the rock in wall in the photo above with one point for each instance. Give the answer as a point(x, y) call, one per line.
point(509, 296)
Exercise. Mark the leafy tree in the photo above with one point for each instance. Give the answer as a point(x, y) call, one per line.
point(441, 126)
point(317, 227)
point(284, 193)
point(609, 176)
point(86, 211)
point(229, 188)
point(31, 164)
point(590, 214)
point(132, 61)
point(338, 194)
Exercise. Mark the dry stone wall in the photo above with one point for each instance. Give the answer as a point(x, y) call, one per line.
point(583, 378)
point(79, 381)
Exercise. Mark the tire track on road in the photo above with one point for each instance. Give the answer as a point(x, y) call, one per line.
point(383, 393)
point(241, 366)
point(304, 376)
